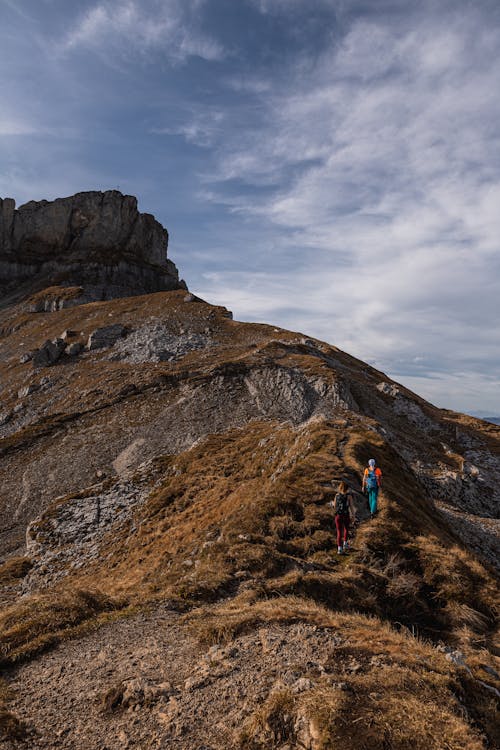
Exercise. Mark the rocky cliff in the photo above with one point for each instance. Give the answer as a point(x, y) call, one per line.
point(95, 242)
point(165, 479)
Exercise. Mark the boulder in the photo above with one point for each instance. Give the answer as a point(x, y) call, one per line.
point(75, 349)
point(104, 338)
point(390, 389)
point(49, 353)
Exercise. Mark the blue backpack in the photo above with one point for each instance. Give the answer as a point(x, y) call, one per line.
point(371, 480)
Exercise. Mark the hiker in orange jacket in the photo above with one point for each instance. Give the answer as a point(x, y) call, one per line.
point(372, 481)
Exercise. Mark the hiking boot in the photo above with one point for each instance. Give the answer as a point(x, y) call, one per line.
point(339, 551)
point(346, 547)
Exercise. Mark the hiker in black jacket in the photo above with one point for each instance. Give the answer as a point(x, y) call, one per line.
point(345, 513)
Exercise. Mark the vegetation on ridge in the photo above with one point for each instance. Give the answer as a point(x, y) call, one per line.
point(235, 536)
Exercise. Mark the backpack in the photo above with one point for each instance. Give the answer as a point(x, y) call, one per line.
point(342, 503)
point(371, 480)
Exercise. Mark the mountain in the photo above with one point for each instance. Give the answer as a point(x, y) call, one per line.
point(169, 573)
point(486, 417)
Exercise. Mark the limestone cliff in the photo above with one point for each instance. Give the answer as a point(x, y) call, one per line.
point(97, 241)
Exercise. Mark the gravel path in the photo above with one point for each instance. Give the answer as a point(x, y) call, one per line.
point(177, 694)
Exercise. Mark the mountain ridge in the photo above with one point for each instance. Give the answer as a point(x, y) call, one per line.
point(168, 550)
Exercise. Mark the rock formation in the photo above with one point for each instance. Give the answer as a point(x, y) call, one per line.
point(96, 241)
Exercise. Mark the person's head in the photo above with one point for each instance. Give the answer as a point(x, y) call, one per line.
point(342, 487)
point(371, 463)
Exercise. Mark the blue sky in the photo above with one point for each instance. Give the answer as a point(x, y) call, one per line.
point(329, 166)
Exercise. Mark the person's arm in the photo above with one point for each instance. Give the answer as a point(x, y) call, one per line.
point(363, 485)
point(334, 504)
point(379, 477)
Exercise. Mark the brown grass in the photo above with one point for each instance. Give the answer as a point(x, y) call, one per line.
point(33, 625)
point(14, 569)
point(406, 698)
point(274, 722)
point(198, 531)
point(249, 507)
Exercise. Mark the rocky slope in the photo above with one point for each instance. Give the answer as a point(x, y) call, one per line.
point(169, 574)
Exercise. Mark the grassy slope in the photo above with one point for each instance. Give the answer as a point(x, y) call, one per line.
point(238, 533)
point(263, 543)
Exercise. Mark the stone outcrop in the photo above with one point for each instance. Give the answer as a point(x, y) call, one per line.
point(49, 353)
point(103, 338)
point(153, 342)
point(98, 241)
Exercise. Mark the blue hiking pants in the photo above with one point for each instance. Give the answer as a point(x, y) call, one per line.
point(372, 500)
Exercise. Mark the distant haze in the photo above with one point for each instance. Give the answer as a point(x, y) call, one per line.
point(494, 420)
point(329, 167)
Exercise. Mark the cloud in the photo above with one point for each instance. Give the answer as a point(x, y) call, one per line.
point(339, 171)
point(200, 129)
point(276, 7)
point(15, 127)
point(131, 27)
point(384, 159)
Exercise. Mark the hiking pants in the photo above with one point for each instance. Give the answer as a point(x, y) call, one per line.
point(342, 524)
point(372, 500)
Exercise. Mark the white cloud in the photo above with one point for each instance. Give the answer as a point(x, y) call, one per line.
point(286, 6)
point(131, 26)
point(201, 129)
point(14, 127)
point(394, 198)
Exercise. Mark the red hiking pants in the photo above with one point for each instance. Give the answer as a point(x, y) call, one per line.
point(342, 524)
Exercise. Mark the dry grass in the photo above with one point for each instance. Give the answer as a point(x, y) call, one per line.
point(33, 625)
point(14, 569)
point(223, 510)
point(247, 612)
point(244, 515)
point(403, 696)
point(388, 710)
point(249, 506)
point(274, 722)
point(361, 718)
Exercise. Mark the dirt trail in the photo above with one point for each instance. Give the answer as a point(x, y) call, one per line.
point(180, 695)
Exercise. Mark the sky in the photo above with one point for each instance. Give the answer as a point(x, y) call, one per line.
point(327, 166)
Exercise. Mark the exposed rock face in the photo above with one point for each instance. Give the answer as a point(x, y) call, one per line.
point(78, 526)
point(153, 342)
point(96, 240)
point(49, 353)
point(102, 338)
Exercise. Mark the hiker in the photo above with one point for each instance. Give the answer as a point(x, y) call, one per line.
point(344, 510)
point(372, 481)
